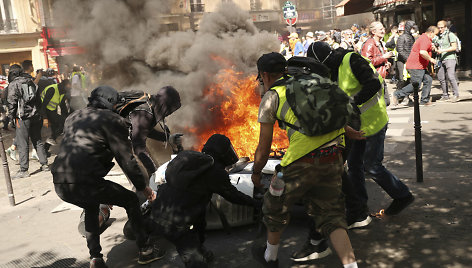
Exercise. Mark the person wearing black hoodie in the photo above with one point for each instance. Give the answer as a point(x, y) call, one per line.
point(404, 44)
point(366, 156)
point(93, 136)
point(191, 180)
point(144, 117)
point(24, 115)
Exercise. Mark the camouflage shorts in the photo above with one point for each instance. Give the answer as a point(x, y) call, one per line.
point(316, 184)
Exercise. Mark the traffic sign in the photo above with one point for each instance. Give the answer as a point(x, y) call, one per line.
point(291, 21)
point(290, 13)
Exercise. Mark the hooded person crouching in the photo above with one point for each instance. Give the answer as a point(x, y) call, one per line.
point(93, 136)
point(145, 113)
point(192, 178)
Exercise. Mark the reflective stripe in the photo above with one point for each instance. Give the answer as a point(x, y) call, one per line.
point(284, 110)
point(370, 103)
point(290, 132)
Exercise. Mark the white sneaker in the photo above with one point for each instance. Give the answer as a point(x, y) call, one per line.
point(11, 153)
point(50, 141)
point(34, 155)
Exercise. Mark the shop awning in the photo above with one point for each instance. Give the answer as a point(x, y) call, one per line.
point(351, 7)
point(63, 51)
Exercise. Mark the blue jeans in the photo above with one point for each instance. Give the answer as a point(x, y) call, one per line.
point(419, 76)
point(367, 156)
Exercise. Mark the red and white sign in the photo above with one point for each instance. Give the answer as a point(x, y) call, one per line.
point(291, 21)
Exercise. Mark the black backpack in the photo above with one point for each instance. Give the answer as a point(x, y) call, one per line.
point(185, 168)
point(129, 100)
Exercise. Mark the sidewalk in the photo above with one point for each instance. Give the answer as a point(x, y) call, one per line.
point(433, 232)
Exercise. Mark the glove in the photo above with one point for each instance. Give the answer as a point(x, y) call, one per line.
point(176, 139)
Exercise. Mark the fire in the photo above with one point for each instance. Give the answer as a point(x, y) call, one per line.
point(234, 105)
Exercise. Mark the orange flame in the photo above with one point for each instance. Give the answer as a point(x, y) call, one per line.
point(234, 105)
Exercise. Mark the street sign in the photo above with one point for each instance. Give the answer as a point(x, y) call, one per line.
point(291, 21)
point(290, 13)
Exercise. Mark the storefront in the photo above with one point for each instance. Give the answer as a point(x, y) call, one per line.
point(391, 12)
point(59, 50)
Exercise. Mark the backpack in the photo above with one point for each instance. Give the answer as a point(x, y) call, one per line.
point(129, 100)
point(318, 103)
point(185, 168)
point(459, 47)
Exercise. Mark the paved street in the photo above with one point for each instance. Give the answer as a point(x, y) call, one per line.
point(433, 232)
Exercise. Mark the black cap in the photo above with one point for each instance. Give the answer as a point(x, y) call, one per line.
point(272, 63)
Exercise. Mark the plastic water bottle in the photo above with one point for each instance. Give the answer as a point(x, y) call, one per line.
point(277, 185)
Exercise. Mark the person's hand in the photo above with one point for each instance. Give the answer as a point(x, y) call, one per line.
point(176, 139)
point(439, 51)
point(45, 123)
point(256, 180)
point(388, 55)
point(434, 61)
point(354, 134)
point(149, 194)
point(388, 64)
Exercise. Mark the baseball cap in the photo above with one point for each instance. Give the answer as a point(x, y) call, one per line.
point(272, 63)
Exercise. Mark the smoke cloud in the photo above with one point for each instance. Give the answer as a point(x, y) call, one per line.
point(125, 40)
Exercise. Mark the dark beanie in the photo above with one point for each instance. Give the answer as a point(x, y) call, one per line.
point(319, 51)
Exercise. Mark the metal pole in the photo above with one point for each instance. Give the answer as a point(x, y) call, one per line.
point(418, 143)
point(6, 170)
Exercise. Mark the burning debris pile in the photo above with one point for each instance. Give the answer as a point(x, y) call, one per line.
point(213, 68)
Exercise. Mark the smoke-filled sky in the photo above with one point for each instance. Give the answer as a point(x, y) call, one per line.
point(123, 36)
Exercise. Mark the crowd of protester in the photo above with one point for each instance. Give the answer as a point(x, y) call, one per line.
point(358, 61)
point(389, 50)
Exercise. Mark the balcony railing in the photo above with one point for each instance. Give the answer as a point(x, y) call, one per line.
point(9, 26)
point(197, 7)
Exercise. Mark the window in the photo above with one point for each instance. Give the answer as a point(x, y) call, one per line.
point(197, 6)
point(8, 23)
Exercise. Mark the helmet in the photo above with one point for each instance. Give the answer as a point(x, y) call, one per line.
point(50, 72)
point(104, 97)
point(220, 147)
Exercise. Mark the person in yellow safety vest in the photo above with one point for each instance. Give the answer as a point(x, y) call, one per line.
point(78, 90)
point(359, 79)
point(52, 100)
point(311, 168)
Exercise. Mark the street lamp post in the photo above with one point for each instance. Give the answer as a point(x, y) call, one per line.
point(418, 143)
point(6, 170)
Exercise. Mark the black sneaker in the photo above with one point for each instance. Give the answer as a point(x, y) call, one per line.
point(258, 255)
point(398, 205)
point(150, 254)
point(312, 252)
point(207, 254)
point(20, 174)
point(358, 222)
point(97, 263)
point(45, 168)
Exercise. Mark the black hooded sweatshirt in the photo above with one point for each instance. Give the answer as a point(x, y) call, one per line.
point(182, 201)
point(144, 119)
point(92, 138)
point(405, 42)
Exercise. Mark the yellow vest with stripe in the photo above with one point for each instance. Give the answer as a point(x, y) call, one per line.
point(299, 144)
point(83, 80)
point(374, 111)
point(56, 98)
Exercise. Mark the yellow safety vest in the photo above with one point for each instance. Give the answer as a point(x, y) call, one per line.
point(56, 98)
point(374, 111)
point(299, 144)
point(83, 80)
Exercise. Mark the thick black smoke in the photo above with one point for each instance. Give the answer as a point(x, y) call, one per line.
point(125, 40)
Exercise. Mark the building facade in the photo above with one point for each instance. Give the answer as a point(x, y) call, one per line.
point(20, 33)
